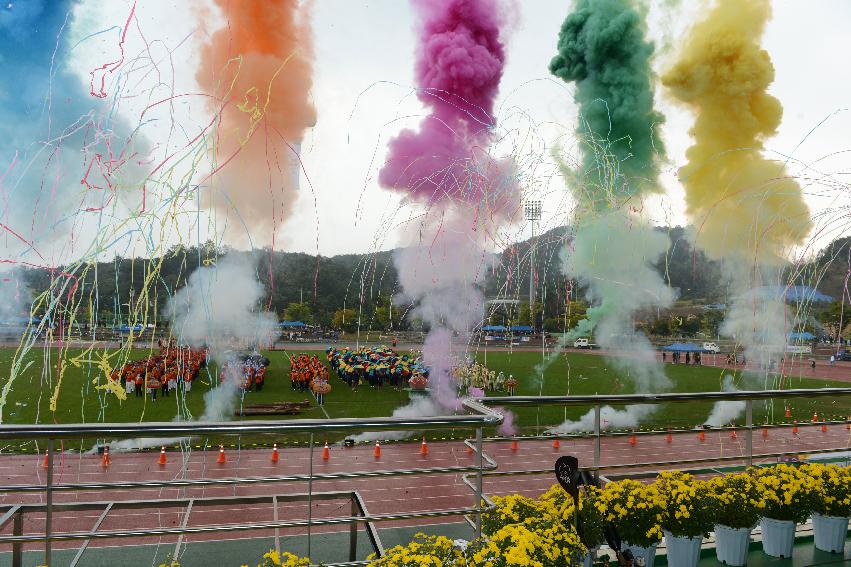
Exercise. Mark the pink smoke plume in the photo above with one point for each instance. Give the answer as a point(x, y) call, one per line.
point(459, 65)
point(446, 165)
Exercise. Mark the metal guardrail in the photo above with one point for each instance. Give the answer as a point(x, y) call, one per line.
point(480, 415)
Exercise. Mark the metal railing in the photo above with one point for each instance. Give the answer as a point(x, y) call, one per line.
point(480, 416)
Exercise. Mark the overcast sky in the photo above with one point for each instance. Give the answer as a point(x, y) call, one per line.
point(363, 95)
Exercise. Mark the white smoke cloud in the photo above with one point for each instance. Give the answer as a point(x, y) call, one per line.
point(219, 308)
point(757, 317)
point(610, 418)
point(440, 272)
point(612, 256)
point(725, 412)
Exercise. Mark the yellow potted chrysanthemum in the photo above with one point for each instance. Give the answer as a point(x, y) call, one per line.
point(831, 505)
point(688, 515)
point(635, 509)
point(786, 498)
point(738, 513)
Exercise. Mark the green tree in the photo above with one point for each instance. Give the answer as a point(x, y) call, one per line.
point(661, 327)
point(576, 311)
point(298, 312)
point(381, 318)
point(833, 314)
point(345, 319)
point(554, 325)
point(711, 321)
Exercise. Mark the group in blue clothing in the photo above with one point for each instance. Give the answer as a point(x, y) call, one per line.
point(375, 366)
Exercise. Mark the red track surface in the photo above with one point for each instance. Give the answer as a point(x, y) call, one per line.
point(381, 495)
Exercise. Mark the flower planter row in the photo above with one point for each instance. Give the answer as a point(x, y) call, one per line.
point(733, 544)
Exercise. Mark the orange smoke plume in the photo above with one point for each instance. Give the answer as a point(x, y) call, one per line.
point(259, 67)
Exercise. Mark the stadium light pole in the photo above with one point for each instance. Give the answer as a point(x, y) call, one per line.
point(532, 211)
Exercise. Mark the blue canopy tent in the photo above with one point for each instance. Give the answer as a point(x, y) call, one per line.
point(494, 329)
point(14, 320)
point(292, 324)
point(127, 328)
point(521, 329)
point(683, 347)
point(805, 336)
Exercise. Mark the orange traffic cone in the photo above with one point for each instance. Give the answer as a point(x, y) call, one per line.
point(326, 452)
point(105, 459)
point(848, 425)
point(222, 459)
point(795, 428)
point(733, 434)
point(815, 417)
point(469, 450)
point(275, 452)
point(669, 438)
point(44, 462)
point(556, 444)
point(162, 460)
point(824, 428)
point(377, 451)
point(423, 447)
point(702, 436)
point(765, 433)
point(632, 440)
point(788, 411)
point(514, 445)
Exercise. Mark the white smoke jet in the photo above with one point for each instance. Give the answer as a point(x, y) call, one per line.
point(610, 418)
point(441, 273)
point(612, 256)
point(757, 317)
point(218, 308)
point(725, 412)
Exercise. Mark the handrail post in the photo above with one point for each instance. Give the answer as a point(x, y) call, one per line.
point(749, 434)
point(48, 520)
point(598, 446)
point(17, 547)
point(479, 479)
point(310, 495)
point(353, 530)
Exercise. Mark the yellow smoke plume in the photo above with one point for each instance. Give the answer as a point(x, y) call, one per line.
point(744, 205)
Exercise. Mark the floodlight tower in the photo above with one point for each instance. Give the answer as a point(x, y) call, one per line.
point(532, 211)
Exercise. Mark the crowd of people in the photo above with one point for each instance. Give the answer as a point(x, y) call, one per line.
point(172, 368)
point(690, 358)
point(476, 375)
point(248, 371)
point(376, 366)
point(308, 373)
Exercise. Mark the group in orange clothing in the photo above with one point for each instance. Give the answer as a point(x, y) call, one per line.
point(308, 372)
point(172, 368)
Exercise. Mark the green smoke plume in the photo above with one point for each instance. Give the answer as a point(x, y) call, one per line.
point(602, 48)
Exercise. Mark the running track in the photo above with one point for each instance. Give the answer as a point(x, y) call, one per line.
point(381, 495)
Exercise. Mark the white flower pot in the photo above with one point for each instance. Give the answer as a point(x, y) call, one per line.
point(647, 553)
point(682, 551)
point(829, 532)
point(731, 544)
point(778, 537)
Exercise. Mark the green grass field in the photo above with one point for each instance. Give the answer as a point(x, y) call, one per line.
point(28, 399)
